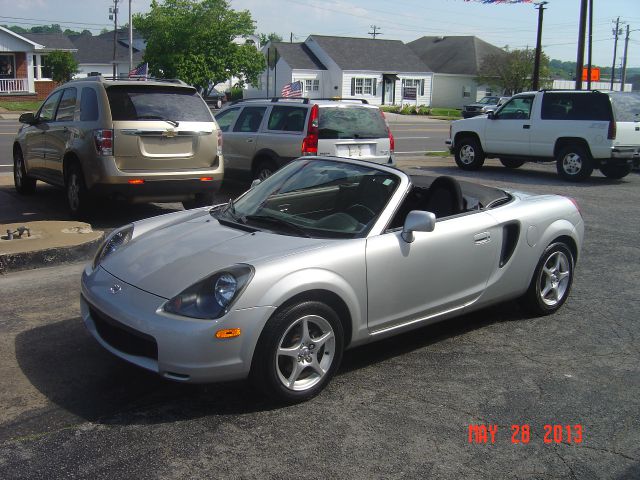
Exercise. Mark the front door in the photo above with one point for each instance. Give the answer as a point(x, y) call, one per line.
point(60, 134)
point(36, 135)
point(388, 92)
point(240, 142)
point(510, 130)
point(439, 271)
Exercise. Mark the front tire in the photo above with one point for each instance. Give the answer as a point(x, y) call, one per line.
point(551, 282)
point(511, 163)
point(616, 172)
point(24, 184)
point(298, 352)
point(469, 154)
point(574, 163)
point(76, 191)
point(264, 169)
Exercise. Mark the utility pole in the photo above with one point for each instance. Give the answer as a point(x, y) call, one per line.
point(616, 32)
point(375, 32)
point(590, 45)
point(536, 65)
point(623, 77)
point(130, 39)
point(113, 15)
point(291, 38)
point(580, 55)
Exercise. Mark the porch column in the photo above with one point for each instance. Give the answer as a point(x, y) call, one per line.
point(30, 80)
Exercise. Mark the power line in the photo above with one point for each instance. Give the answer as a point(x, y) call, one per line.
point(55, 21)
point(375, 32)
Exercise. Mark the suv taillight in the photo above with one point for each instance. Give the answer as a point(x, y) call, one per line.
point(104, 142)
point(392, 141)
point(611, 133)
point(310, 142)
point(219, 142)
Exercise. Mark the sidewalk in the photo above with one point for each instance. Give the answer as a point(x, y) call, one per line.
point(47, 242)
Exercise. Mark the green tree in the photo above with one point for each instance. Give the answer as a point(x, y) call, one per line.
point(63, 66)
point(269, 37)
point(193, 40)
point(512, 71)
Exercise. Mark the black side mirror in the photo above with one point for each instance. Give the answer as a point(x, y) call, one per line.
point(28, 118)
point(491, 115)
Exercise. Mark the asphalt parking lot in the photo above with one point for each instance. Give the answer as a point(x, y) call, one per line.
point(400, 408)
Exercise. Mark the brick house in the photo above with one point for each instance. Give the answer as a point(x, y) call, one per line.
point(24, 73)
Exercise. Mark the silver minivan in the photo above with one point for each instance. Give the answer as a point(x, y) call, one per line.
point(261, 135)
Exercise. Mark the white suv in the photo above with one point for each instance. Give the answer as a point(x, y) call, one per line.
point(578, 130)
point(261, 135)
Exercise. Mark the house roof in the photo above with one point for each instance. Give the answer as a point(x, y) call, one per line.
point(51, 41)
point(459, 54)
point(298, 56)
point(369, 54)
point(99, 49)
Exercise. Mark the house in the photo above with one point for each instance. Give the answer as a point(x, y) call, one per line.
point(455, 61)
point(95, 53)
point(24, 73)
point(384, 72)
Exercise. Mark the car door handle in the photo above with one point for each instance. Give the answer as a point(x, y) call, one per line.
point(526, 127)
point(249, 140)
point(480, 238)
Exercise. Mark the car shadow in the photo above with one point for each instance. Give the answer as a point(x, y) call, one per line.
point(66, 365)
point(528, 174)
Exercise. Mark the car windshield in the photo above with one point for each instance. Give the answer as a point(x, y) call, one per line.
point(351, 122)
point(488, 101)
point(314, 198)
point(147, 102)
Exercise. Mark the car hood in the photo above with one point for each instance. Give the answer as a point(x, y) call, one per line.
point(170, 258)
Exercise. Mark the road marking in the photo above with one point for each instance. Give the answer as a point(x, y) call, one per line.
point(407, 138)
point(7, 133)
point(9, 165)
point(409, 153)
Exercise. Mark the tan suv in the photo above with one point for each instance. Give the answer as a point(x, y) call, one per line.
point(141, 141)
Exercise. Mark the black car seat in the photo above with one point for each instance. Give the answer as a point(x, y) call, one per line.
point(444, 197)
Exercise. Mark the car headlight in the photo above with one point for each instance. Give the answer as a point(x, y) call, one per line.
point(213, 296)
point(117, 239)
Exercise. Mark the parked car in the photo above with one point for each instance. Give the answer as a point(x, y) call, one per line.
point(324, 255)
point(483, 106)
point(215, 99)
point(578, 130)
point(146, 141)
point(262, 135)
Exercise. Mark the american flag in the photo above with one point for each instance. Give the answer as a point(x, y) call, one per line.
point(139, 71)
point(293, 89)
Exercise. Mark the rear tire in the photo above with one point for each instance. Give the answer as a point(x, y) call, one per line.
point(469, 154)
point(264, 169)
point(204, 199)
point(511, 163)
point(299, 351)
point(616, 172)
point(574, 163)
point(551, 282)
point(25, 185)
point(77, 195)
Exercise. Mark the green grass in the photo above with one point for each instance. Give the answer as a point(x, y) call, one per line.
point(22, 106)
point(450, 113)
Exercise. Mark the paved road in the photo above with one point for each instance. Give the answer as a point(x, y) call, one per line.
point(400, 408)
point(412, 138)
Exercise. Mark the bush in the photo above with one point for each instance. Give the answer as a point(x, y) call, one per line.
point(423, 110)
point(390, 108)
point(235, 94)
point(408, 110)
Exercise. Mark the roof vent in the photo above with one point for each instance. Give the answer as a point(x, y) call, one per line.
point(439, 39)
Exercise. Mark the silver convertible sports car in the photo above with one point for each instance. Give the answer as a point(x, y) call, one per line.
point(326, 254)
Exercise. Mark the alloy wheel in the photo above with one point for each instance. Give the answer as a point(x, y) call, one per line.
point(73, 192)
point(17, 172)
point(554, 278)
point(572, 163)
point(305, 353)
point(467, 154)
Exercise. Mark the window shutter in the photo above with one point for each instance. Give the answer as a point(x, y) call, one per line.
point(375, 84)
point(422, 87)
point(353, 86)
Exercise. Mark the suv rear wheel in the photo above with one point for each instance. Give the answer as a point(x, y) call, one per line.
point(469, 154)
point(24, 184)
point(264, 169)
point(76, 190)
point(574, 163)
point(511, 163)
point(616, 171)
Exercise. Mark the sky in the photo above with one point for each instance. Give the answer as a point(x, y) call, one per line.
point(512, 25)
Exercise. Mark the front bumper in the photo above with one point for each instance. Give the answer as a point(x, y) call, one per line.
point(131, 325)
point(626, 155)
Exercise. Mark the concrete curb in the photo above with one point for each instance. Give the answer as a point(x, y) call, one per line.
point(14, 262)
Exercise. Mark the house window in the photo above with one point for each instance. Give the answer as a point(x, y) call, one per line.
point(466, 91)
point(41, 68)
point(412, 88)
point(7, 66)
point(363, 86)
point(311, 85)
